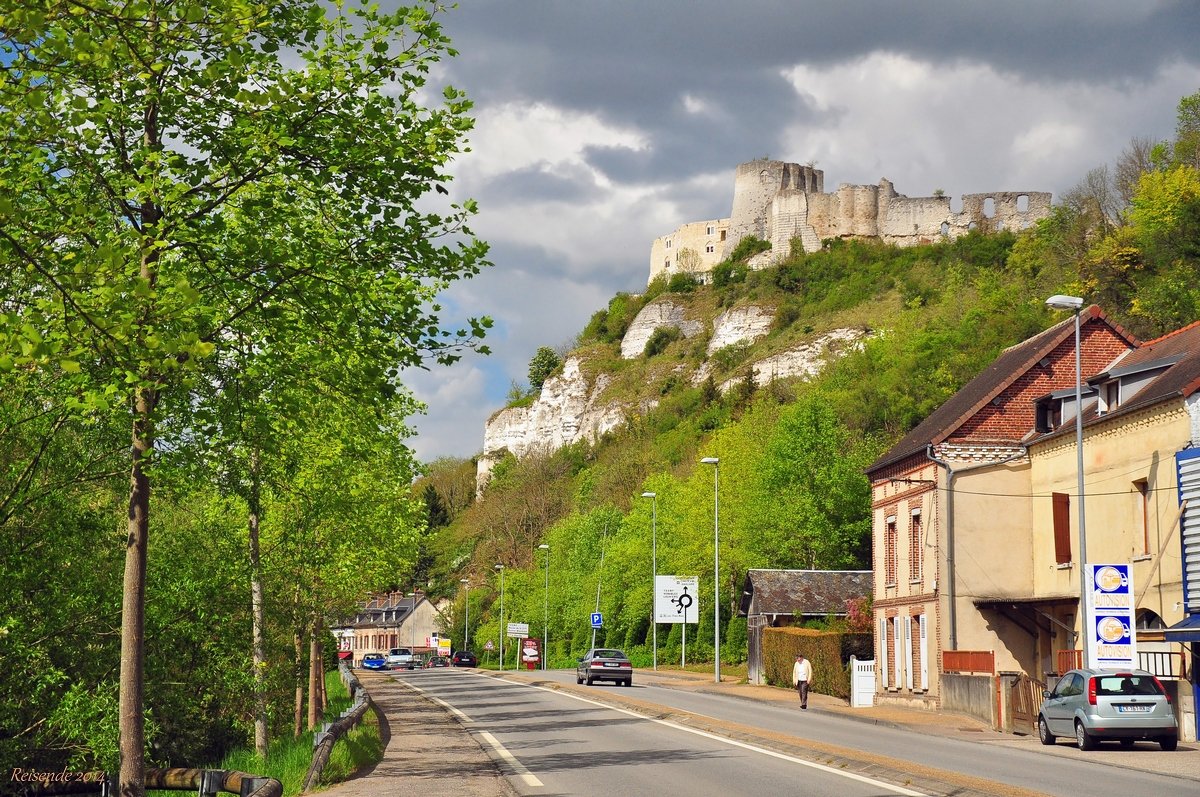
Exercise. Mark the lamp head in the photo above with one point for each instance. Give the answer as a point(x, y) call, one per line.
point(463, 581)
point(543, 547)
point(649, 495)
point(710, 460)
point(499, 567)
point(1062, 302)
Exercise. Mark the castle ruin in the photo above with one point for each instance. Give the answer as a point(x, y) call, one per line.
point(779, 202)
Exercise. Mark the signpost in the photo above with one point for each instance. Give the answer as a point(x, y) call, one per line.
point(517, 630)
point(531, 652)
point(675, 602)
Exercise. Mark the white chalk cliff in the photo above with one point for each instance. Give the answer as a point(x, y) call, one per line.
point(569, 409)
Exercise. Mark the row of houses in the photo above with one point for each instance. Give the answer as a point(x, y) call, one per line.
point(389, 620)
point(976, 512)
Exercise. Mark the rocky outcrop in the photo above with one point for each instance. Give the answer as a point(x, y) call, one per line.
point(569, 407)
point(739, 325)
point(661, 312)
point(803, 361)
point(566, 411)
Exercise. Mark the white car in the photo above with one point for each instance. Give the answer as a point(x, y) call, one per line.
point(401, 659)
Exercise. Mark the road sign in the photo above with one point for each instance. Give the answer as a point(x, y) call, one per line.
point(597, 620)
point(675, 599)
point(517, 630)
point(488, 646)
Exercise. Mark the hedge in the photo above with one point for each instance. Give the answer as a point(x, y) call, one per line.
point(828, 651)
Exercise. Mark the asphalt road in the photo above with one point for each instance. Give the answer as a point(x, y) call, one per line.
point(555, 738)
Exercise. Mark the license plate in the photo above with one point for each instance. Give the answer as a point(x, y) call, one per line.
point(1133, 709)
point(611, 664)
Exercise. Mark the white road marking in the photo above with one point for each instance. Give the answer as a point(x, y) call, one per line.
point(440, 702)
point(525, 775)
point(732, 742)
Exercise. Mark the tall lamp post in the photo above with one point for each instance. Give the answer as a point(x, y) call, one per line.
point(1075, 304)
point(653, 571)
point(466, 613)
point(715, 462)
point(500, 568)
point(545, 607)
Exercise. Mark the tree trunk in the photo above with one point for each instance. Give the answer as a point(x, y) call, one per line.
point(131, 697)
point(256, 605)
point(314, 680)
point(298, 713)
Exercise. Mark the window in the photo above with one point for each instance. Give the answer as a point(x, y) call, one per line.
point(723, 235)
point(1062, 527)
point(1110, 396)
point(889, 553)
point(914, 547)
point(668, 243)
point(1049, 415)
point(1141, 513)
point(710, 247)
point(710, 229)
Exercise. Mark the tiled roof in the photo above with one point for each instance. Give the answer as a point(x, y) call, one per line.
point(810, 592)
point(973, 396)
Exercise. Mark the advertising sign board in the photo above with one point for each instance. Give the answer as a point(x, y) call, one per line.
point(1111, 632)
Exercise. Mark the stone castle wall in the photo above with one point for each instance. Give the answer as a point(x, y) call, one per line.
point(779, 202)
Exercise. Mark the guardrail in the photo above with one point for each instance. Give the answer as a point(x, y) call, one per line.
point(324, 739)
point(205, 782)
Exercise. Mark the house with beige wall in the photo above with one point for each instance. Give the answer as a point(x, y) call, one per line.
point(389, 620)
point(952, 517)
point(1005, 526)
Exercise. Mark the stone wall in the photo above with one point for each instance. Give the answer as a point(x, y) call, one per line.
point(779, 202)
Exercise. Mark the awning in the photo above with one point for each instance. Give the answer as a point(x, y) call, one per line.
point(1030, 613)
point(1186, 630)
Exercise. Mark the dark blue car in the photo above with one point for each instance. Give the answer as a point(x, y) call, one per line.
point(374, 661)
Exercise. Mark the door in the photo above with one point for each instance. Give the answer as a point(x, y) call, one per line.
point(1059, 709)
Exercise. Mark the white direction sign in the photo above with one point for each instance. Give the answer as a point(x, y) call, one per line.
point(676, 599)
point(518, 630)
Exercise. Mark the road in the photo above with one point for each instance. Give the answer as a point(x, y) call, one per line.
point(556, 739)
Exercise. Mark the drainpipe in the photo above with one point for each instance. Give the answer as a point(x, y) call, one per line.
point(951, 589)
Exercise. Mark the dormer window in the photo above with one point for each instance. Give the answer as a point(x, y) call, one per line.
point(1110, 396)
point(1049, 415)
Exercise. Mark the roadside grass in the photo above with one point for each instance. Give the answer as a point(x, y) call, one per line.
point(289, 758)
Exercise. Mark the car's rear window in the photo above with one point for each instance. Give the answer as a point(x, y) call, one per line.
point(400, 652)
point(1112, 685)
point(609, 654)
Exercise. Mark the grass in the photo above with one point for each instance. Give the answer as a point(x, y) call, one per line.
point(289, 758)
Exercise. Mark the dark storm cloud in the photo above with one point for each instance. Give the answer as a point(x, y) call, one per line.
point(536, 184)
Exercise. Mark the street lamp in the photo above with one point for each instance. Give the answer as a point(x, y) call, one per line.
point(466, 613)
point(1075, 304)
point(500, 568)
point(545, 608)
point(412, 622)
point(715, 462)
point(653, 571)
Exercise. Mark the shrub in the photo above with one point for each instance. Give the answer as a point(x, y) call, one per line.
point(748, 247)
point(661, 339)
point(829, 652)
point(683, 283)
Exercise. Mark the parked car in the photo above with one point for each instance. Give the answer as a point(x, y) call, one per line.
point(464, 658)
point(1094, 705)
point(604, 664)
point(374, 661)
point(437, 661)
point(401, 659)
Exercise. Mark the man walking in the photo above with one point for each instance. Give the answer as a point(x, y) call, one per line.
point(801, 675)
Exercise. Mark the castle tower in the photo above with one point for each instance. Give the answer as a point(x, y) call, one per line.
point(755, 187)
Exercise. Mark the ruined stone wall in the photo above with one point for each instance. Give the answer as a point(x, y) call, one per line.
point(778, 202)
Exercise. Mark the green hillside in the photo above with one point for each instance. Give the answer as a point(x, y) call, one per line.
point(791, 490)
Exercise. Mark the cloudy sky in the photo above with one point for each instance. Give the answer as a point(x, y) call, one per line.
point(601, 125)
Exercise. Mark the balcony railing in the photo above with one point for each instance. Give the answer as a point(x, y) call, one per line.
point(969, 661)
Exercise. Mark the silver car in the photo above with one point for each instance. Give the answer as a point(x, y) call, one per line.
point(1093, 705)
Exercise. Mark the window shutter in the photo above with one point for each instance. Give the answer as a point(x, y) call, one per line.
point(1062, 527)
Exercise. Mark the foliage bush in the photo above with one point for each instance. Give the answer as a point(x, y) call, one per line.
point(747, 248)
point(683, 283)
point(828, 651)
point(660, 339)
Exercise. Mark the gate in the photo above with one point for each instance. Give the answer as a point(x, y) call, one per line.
point(1024, 700)
point(754, 669)
point(862, 683)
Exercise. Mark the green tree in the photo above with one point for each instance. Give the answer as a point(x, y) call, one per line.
point(544, 363)
point(169, 178)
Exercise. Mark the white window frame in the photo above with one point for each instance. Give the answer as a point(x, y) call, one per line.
point(883, 654)
point(924, 623)
point(908, 651)
point(897, 643)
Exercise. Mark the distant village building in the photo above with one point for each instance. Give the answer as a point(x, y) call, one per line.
point(389, 620)
point(779, 202)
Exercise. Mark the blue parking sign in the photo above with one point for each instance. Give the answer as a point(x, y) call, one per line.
point(597, 620)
